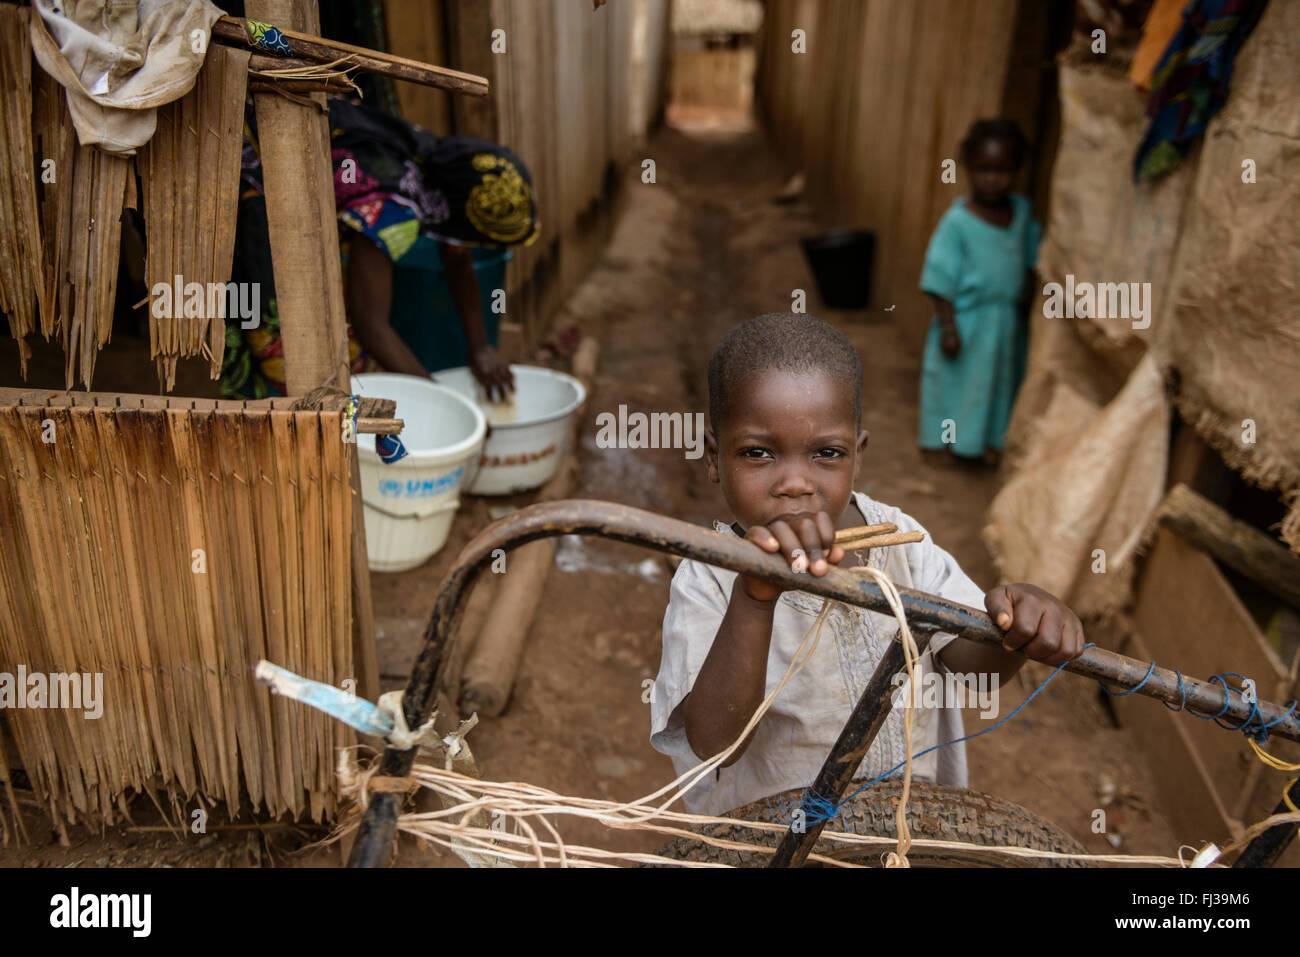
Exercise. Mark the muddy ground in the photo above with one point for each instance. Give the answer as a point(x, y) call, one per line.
point(698, 251)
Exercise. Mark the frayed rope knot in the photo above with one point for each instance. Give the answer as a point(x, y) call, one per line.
point(402, 737)
point(388, 785)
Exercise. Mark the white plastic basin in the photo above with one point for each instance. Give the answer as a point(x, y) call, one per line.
point(410, 504)
point(526, 435)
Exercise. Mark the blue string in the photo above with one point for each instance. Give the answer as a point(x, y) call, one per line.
point(1253, 708)
point(818, 809)
point(1120, 694)
point(1182, 691)
point(1227, 701)
point(1260, 731)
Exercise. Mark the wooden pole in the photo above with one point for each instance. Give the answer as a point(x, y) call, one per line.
point(298, 179)
point(486, 670)
point(231, 30)
point(1237, 544)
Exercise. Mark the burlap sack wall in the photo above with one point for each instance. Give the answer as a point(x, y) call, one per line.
point(1232, 328)
point(1070, 519)
point(1088, 441)
point(1087, 448)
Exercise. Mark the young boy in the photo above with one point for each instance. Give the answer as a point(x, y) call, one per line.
point(785, 401)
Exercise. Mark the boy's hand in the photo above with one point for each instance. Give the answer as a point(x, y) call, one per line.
point(1035, 623)
point(808, 545)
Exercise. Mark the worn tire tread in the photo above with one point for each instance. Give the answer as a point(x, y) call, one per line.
point(934, 811)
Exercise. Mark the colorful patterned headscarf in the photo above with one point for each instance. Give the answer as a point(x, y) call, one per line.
point(461, 189)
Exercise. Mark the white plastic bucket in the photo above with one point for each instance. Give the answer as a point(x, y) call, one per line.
point(409, 505)
point(526, 434)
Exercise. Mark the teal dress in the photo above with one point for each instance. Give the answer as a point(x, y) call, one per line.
point(979, 268)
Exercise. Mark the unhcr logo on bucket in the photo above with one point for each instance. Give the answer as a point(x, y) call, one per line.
point(420, 488)
point(658, 430)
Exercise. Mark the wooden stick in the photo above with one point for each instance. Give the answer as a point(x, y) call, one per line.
point(492, 662)
point(490, 671)
point(863, 531)
point(380, 426)
point(257, 84)
point(233, 31)
point(878, 541)
point(266, 63)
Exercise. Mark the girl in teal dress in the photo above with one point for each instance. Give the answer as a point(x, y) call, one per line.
point(977, 271)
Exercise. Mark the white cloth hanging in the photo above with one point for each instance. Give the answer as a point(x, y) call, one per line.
point(121, 59)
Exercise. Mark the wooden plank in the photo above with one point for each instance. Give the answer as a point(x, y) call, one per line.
point(1189, 618)
point(416, 29)
point(304, 235)
point(1190, 795)
point(469, 42)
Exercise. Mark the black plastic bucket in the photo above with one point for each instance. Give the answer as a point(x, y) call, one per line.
point(841, 263)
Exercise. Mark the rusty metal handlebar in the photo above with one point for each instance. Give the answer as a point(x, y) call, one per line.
point(927, 613)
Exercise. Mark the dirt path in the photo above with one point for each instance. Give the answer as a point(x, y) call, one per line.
point(695, 253)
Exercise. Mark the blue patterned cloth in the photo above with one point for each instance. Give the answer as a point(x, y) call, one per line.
point(1190, 83)
point(390, 448)
point(266, 37)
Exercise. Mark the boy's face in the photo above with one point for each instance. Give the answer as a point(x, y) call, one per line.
point(788, 449)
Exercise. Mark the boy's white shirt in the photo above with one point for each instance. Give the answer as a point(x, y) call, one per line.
point(794, 738)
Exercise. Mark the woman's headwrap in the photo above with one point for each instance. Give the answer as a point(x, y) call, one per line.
point(462, 189)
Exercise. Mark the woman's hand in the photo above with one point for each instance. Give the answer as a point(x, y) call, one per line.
point(493, 372)
point(808, 545)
